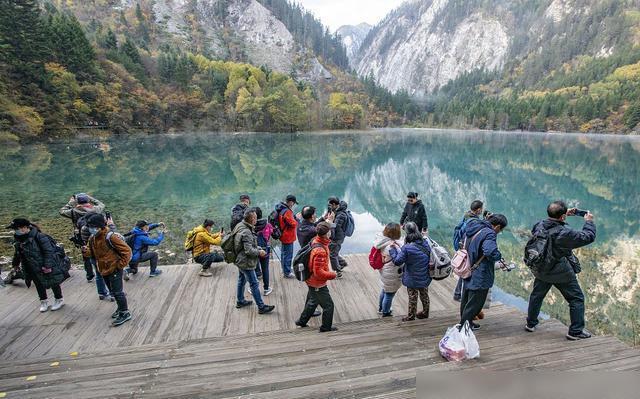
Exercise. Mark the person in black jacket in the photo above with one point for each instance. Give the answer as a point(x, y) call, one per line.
point(561, 272)
point(414, 212)
point(237, 213)
point(337, 211)
point(34, 251)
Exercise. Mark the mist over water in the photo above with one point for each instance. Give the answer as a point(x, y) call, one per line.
point(181, 179)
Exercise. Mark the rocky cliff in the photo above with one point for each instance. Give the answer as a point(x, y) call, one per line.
point(352, 38)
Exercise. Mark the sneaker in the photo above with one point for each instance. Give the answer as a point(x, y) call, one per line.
point(115, 314)
point(475, 326)
point(102, 297)
point(243, 304)
point(268, 291)
point(266, 309)
point(126, 274)
point(584, 334)
point(57, 304)
point(155, 273)
point(422, 315)
point(457, 298)
point(316, 313)
point(122, 318)
point(290, 275)
point(322, 329)
point(390, 314)
point(44, 305)
point(112, 298)
point(299, 324)
point(205, 273)
point(89, 280)
point(529, 328)
point(339, 274)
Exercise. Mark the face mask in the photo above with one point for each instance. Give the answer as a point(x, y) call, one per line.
point(93, 230)
point(19, 233)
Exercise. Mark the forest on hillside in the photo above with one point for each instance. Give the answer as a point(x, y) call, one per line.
point(58, 76)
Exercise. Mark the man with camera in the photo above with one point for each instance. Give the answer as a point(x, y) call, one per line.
point(140, 243)
point(561, 266)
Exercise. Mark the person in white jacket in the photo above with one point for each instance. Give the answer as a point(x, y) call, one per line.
point(390, 274)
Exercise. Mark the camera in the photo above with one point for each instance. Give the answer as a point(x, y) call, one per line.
point(507, 267)
point(486, 214)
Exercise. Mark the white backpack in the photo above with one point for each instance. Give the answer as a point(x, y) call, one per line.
point(439, 261)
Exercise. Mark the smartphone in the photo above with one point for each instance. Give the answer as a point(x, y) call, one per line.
point(107, 215)
point(581, 213)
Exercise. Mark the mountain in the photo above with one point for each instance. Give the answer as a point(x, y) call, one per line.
point(424, 44)
point(352, 38)
point(512, 64)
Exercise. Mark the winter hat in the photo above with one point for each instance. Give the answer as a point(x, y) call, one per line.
point(323, 228)
point(82, 198)
point(96, 220)
point(17, 223)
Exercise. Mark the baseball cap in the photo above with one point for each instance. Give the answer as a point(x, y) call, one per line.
point(17, 223)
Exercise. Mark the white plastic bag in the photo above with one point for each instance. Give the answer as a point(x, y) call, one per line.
point(459, 344)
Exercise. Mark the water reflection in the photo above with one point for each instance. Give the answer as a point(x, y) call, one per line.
point(181, 179)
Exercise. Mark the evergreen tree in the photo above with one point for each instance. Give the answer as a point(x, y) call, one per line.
point(69, 45)
point(110, 40)
point(131, 51)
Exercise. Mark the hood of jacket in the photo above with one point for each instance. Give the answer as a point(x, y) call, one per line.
point(342, 207)
point(382, 242)
point(475, 226)
point(547, 224)
point(260, 225)
point(199, 229)
point(139, 232)
point(281, 206)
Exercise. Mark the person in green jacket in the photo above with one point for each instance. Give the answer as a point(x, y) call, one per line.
point(247, 254)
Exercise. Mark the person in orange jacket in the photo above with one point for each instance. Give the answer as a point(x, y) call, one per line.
point(318, 293)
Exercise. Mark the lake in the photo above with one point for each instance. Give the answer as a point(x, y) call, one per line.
point(181, 179)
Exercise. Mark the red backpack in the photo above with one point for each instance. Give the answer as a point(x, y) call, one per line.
point(375, 258)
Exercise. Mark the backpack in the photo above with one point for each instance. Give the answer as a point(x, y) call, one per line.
point(190, 240)
point(130, 240)
point(461, 262)
point(301, 267)
point(61, 257)
point(229, 247)
point(458, 233)
point(274, 220)
point(537, 252)
point(350, 226)
point(439, 261)
point(375, 258)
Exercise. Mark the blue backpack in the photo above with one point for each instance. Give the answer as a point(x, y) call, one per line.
point(458, 233)
point(350, 226)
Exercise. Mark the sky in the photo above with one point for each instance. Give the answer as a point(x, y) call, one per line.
point(335, 13)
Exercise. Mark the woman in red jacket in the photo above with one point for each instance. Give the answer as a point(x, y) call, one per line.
point(320, 272)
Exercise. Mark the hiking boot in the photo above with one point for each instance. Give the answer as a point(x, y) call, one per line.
point(57, 304)
point(322, 329)
point(422, 315)
point(205, 273)
point(584, 334)
point(266, 309)
point(316, 313)
point(155, 273)
point(44, 306)
point(299, 324)
point(122, 318)
point(243, 304)
point(268, 291)
point(115, 314)
point(529, 328)
point(126, 274)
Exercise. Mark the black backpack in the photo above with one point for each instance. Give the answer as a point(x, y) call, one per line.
point(130, 239)
point(60, 255)
point(301, 267)
point(538, 254)
point(274, 220)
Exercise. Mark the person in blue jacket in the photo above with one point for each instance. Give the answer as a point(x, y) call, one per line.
point(482, 247)
point(140, 249)
point(414, 255)
point(474, 213)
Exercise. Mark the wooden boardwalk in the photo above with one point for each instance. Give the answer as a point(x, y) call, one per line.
point(180, 305)
point(221, 352)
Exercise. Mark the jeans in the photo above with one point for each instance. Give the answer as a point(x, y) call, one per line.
point(334, 255)
point(263, 266)
point(315, 297)
point(88, 268)
point(207, 259)
point(114, 283)
point(100, 284)
point(457, 293)
point(42, 292)
point(471, 304)
point(571, 292)
point(249, 276)
point(287, 258)
point(386, 298)
point(151, 256)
